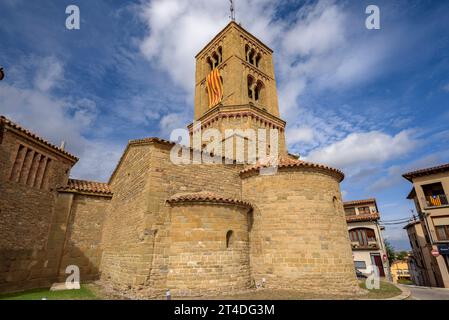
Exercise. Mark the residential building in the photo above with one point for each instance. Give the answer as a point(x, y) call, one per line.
point(400, 270)
point(430, 196)
point(365, 233)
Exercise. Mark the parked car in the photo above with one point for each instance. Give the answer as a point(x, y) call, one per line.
point(360, 275)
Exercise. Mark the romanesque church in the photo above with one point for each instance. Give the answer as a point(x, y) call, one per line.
point(195, 229)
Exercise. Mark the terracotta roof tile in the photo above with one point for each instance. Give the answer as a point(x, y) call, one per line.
point(9, 123)
point(205, 196)
point(356, 202)
point(86, 186)
point(427, 171)
point(288, 162)
point(363, 217)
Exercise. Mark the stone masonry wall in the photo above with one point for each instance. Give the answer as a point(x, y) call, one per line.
point(299, 237)
point(138, 223)
point(209, 251)
point(82, 245)
point(27, 197)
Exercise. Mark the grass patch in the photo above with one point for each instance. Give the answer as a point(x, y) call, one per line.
point(386, 290)
point(83, 293)
point(405, 281)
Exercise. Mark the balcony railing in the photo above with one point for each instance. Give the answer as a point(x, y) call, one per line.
point(372, 245)
point(436, 200)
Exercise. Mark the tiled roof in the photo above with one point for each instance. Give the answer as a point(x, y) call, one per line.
point(363, 217)
point(205, 196)
point(288, 162)
point(87, 186)
point(427, 171)
point(356, 202)
point(9, 123)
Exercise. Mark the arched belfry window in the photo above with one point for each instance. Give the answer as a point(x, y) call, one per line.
point(251, 88)
point(252, 56)
point(258, 91)
point(215, 58)
point(229, 239)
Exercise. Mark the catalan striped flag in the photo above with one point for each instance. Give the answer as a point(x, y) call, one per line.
point(214, 88)
point(435, 201)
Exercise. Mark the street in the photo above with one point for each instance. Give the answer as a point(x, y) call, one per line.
point(426, 293)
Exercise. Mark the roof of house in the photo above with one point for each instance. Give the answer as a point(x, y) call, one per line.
point(357, 202)
point(288, 162)
point(411, 223)
point(363, 217)
point(411, 194)
point(425, 172)
point(5, 122)
point(84, 186)
point(206, 196)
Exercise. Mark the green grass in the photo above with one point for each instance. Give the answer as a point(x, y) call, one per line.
point(386, 290)
point(37, 294)
point(405, 281)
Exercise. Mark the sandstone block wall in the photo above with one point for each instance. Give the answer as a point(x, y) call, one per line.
point(136, 233)
point(299, 237)
point(29, 175)
point(82, 245)
point(209, 250)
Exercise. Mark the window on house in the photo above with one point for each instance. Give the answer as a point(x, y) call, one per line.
point(442, 228)
point(360, 264)
point(434, 195)
point(362, 236)
point(364, 210)
point(350, 211)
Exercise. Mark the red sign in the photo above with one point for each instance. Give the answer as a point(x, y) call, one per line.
point(435, 253)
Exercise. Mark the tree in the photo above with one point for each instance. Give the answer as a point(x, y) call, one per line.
point(401, 255)
point(390, 252)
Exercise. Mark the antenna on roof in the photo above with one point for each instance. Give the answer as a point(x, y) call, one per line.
point(232, 16)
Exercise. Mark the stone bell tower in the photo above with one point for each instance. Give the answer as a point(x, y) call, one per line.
point(235, 86)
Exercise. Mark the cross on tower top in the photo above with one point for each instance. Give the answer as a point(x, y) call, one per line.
point(232, 10)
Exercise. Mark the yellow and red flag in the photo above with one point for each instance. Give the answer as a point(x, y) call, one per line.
point(214, 88)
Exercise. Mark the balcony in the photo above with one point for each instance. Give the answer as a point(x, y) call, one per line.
point(371, 245)
point(436, 201)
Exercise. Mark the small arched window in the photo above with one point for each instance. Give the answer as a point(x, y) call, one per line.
point(229, 239)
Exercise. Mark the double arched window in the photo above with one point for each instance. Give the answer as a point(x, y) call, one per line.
point(252, 56)
point(215, 59)
point(255, 89)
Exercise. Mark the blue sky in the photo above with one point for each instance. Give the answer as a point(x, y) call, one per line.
point(371, 102)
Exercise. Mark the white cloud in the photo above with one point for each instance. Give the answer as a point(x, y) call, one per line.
point(49, 74)
point(364, 148)
point(300, 134)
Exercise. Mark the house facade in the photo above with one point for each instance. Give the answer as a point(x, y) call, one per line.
point(365, 234)
point(429, 233)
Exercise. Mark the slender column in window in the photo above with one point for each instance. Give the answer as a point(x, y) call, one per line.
point(33, 170)
point(26, 166)
point(40, 172)
point(46, 177)
point(18, 163)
